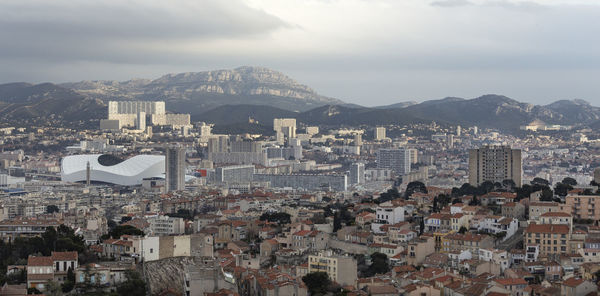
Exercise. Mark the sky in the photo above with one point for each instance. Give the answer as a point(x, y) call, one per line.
point(368, 52)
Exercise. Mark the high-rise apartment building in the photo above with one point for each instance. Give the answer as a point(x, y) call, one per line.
point(397, 160)
point(175, 168)
point(414, 155)
point(380, 133)
point(284, 128)
point(135, 107)
point(495, 163)
point(140, 121)
point(357, 173)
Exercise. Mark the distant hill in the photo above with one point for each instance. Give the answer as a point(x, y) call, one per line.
point(231, 97)
point(489, 111)
point(197, 92)
point(28, 103)
point(398, 105)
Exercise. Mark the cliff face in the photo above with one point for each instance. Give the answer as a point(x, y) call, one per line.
point(186, 92)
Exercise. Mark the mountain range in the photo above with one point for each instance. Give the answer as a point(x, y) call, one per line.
point(231, 97)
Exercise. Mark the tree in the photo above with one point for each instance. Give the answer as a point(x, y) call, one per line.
point(540, 181)
point(474, 201)
point(52, 209)
point(421, 226)
point(462, 230)
point(69, 284)
point(379, 264)
point(317, 282)
point(562, 189)
point(415, 186)
point(120, 230)
point(279, 217)
point(52, 288)
point(569, 181)
point(509, 184)
point(337, 222)
point(134, 285)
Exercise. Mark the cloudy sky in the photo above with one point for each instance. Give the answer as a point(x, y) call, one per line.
point(367, 52)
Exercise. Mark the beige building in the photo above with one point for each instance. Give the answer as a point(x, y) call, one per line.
point(341, 269)
point(419, 249)
point(583, 206)
point(553, 239)
point(495, 164)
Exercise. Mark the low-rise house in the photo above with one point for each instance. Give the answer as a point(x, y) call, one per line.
point(577, 287)
point(514, 286)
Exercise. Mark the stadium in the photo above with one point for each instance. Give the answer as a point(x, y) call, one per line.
point(105, 168)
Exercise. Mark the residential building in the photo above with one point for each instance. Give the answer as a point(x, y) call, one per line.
point(552, 239)
point(398, 160)
point(495, 164)
point(340, 269)
point(175, 168)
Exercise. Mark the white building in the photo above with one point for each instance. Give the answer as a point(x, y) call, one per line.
point(387, 213)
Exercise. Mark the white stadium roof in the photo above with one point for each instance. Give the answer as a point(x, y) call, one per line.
point(109, 169)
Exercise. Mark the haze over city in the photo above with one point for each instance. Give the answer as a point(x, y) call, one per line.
point(363, 52)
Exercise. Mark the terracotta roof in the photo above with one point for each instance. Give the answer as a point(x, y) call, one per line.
point(40, 261)
point(511, 281)
point(547, 228)
point(555, 214)
point(64, 256)
point(573, 282)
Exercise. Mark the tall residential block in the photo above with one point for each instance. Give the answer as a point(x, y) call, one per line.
point(284, 128)
point(397, 160)
point(380, 133)
point(357, 173)
point(495, 163)
point(175, 168)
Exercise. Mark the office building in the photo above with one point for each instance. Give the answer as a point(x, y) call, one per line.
point(496, 164)
point(398, 160)
point(380, 133)
point(175, 168)
point(458, 131)
point(357, 173)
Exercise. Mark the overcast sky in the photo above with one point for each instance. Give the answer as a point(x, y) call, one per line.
point(369, 52)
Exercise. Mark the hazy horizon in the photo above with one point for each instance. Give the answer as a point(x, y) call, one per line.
point(364, 52)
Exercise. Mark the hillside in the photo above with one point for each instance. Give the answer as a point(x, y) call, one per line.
point(197, 92)
point(24, 103)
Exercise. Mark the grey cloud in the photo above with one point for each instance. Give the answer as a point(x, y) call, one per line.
point(451, 3)
point(117, 30)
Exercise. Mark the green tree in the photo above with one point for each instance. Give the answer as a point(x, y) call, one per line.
point(379, 264)
point(569, 181)
point(52, 288)
point(52, 209)
point(134, 285)
point(120, 230)
point(562, 189)
point(317, 282)
point(69, 284)
point(462, 230)
point(415, 186)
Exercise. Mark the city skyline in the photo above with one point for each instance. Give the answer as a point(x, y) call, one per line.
point(364, 52)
